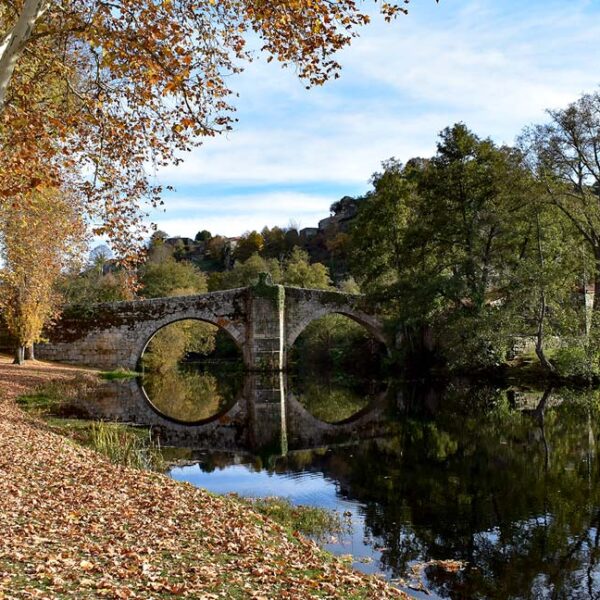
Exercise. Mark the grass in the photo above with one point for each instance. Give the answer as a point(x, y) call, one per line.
point(126, 447)
point(56, 401)
point(119, 373)
point(317, 523)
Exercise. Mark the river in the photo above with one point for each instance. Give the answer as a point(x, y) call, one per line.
point(503, 482)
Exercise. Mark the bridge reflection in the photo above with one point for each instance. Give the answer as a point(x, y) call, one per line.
point(268, 417)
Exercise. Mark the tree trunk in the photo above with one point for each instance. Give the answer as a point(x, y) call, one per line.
point(29, 353)
point(596, 303)
point(19, 355)
point(13, 41)
point(539, 341)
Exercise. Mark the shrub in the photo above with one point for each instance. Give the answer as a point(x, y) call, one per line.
point(580, 361)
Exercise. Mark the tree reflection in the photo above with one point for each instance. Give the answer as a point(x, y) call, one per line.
point(332, 403)
point(187, 395)
point(513, 493)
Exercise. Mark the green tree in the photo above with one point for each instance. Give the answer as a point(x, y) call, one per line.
point(565, 154)
point(275, 245)
point(203, 236)
point(436, 241)
point(171, 278)
point(298, 271)
point(541, 296)
point(245, 273)
point(174, 342)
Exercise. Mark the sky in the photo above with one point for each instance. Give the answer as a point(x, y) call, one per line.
point(496, 65)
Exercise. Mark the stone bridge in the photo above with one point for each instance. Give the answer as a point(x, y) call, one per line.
point(264, 320)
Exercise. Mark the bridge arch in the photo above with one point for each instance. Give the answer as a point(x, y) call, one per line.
point(231, 329)
point(222, 415)
point(370, 323)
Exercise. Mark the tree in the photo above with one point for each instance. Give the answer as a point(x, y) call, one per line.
point(217, 249)
point(203, 236)
point(298, 271)
point(38, 237)
point(94, 285)
point(171, 278)
point(380, 248)
point(172, 343)
point(110, 87)
point(565, 155)
point(436, 240)
point(274, 242)
point(540, 296)
point(245, 273)
point(250, 243)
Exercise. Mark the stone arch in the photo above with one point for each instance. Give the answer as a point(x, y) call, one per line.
point(372, 324)
point(151, 328)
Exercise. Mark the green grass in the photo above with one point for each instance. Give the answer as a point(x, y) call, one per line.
point(308, 520)
point(38, 402)
point(123, 446)
point(60, 397)
point(119, 373)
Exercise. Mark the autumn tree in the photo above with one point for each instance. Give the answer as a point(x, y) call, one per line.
point(250, 243)
point(108, 88)
point(38, 237)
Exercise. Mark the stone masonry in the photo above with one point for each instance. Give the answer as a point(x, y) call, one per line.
point(264, 320)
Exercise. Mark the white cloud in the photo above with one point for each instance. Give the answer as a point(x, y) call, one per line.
point(496, 66)
point(237, 214)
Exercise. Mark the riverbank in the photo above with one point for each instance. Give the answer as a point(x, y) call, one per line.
point(77, 526)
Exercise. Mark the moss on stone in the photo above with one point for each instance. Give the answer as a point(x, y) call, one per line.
point(265, 288)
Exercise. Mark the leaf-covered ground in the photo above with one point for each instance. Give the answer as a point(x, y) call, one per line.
point(73, 525)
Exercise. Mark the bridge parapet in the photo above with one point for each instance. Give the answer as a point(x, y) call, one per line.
point(264, 320)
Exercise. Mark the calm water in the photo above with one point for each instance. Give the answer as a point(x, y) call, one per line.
point(504, 481)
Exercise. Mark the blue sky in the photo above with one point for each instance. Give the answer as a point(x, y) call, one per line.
point(494, 64)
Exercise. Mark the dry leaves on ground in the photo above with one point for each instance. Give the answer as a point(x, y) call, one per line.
point(76, 526)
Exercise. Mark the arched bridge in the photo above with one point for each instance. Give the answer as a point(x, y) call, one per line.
point(264, 320)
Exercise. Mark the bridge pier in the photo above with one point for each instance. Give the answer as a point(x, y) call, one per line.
point(266, 331)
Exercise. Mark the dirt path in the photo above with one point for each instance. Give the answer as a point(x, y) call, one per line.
point(73, 525)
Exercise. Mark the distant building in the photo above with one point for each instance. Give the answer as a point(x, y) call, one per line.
point(233, 241)
point(308, 232)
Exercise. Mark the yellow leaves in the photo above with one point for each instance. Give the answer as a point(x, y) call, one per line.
point(38, 231)
point(86, 565)
point(111, 103)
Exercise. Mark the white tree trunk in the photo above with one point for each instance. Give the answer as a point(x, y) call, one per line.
point(13, 41)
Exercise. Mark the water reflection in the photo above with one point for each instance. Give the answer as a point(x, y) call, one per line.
point(505, 481)
point(332, 401)
point(189, 394)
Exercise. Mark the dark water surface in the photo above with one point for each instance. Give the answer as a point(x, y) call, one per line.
point(506, 482)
